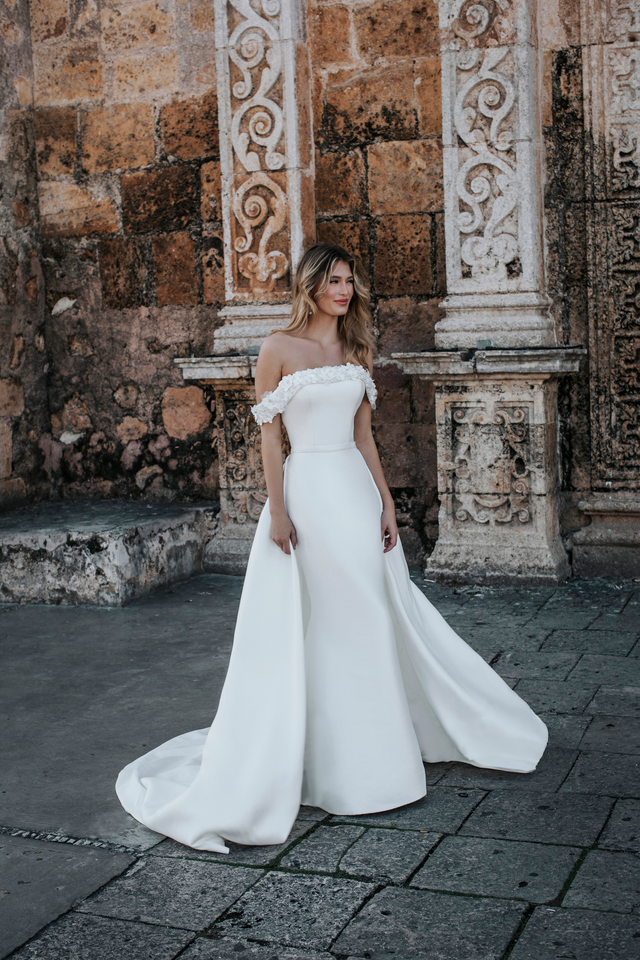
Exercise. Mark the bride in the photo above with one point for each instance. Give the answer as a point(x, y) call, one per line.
point(343, 677)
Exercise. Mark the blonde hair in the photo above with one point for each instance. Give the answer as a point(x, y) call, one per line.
point(312, 279)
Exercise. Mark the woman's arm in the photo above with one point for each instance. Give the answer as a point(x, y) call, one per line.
point(366, 445)
point(268, 376)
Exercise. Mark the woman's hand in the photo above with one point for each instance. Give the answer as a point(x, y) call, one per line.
point(389, 528)
point(283, 532)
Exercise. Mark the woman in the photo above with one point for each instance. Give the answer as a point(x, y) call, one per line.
point(343, 677)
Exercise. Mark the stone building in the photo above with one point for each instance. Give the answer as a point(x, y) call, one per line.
point(165, 162)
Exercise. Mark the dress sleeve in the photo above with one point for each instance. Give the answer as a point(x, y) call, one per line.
point(269, 407)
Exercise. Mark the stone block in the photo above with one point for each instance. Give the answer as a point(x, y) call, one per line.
point(374, 103)
point(11, 398)
point(159, 200)
point(614, 671)
point(613, 734)
point(6, 449)
point(239, 854)
point(49, 19)
point(210, 191)
point(174, 259)
point(577, 933)
point(143, 77)
point(184, 412)
point(190, 127)
point(606, 881)
point(405, 176)
point(500, 868)
point(201, 16)
point(405, 923)
point(564, 731)
point(69, 210)
point(403, 255)
point(554, 696)
point(117, 137)
point(131, 429)
point(213, 278)
point(67, 73)
point(296, 910)
point(428, 95)
point(551, 771)
point(330, 34)
point(443, 810)
point(101, 553)
point(534, 665)
point(352, 237)
point(144, 25)
point(573, 820)
point(52, 876)
point(225, 949)
point(611, 774)
point(621, 700)
point(622, 831)
point(406, 325)
point(408, 453)
point(55, 132)
point(590, 641)
point(394, 395)
point(393, 30)
point(123, 273)
point(340, 184)
point(387, 855)
point(107, 939)
point(178, 893)
point(13, 493)
point(323, 850)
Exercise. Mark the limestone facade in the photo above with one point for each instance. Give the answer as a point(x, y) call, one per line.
point(479, 158)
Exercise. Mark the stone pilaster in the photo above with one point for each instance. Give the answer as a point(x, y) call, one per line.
point(492, 177)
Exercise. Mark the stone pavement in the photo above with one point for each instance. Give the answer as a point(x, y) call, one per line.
point(490, 865)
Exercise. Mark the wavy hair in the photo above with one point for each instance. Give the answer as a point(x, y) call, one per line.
point(312, 279)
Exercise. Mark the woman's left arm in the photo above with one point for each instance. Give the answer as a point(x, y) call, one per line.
point(367, 447)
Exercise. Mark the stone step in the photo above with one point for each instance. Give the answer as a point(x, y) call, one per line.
point(106, 553)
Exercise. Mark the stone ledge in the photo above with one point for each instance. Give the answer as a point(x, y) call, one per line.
point(465, 364)
point(103, 553)
point(610, 545)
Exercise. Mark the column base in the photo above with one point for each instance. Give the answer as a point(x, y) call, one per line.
point(505, 319)
point(228, 552)
point(610, 545)
point(485, 562)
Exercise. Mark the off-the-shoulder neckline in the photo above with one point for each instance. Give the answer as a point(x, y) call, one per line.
point(324, 366)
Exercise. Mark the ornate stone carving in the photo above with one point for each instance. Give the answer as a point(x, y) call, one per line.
point(260, 146)
point(489, 473)
point(243, 490)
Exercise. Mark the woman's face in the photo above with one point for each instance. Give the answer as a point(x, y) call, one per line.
point(335, 300)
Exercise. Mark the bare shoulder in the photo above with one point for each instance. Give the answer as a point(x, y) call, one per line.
point(271, 360)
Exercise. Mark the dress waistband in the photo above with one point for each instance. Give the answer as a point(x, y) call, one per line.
point(328, 449)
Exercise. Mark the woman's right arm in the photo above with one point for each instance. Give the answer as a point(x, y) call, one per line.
point(268, 376)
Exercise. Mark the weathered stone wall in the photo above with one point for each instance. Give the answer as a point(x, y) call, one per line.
point(127, 151)
point(378, 133)
point(23, 397)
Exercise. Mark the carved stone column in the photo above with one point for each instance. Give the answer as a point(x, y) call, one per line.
point(268, 211)
point(610, 544)
point(496, 409)
point(492, 177)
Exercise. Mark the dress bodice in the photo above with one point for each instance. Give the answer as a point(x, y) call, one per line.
point(318, 406)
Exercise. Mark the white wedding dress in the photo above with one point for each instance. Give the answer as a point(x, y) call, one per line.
point(343, 677)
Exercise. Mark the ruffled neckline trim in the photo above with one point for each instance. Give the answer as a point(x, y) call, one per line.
point(276, 401)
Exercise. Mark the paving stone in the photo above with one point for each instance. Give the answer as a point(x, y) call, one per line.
point(613, 735)
point(551, 818)
point(296, 910)
point(628, 620)
point(555, 696)
point(606, 881)
point(203, 949)
point(563, 618)
point(442, 810)
point(179, 893)
point(623, 701)
point(43, 880)
point(533, 665)
point(506, 637)
point(323, 849)
point(78, 937)
point(565, 730)
point(578, 935)
point(312, 813)
point(412, 925)
point(609, 774)
point(390, 855)
point(622, 832)
point(499, 868)
point(238, 853)
point(434, 772)
point(615, 671)
point(614, 643)
point(550, 773)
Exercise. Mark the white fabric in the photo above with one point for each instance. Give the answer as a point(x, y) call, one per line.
point(343, 676)
point(276, 402)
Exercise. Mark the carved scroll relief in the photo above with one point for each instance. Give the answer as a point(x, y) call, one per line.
point(259, 139)
point(491, 191)
point(243, 490)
